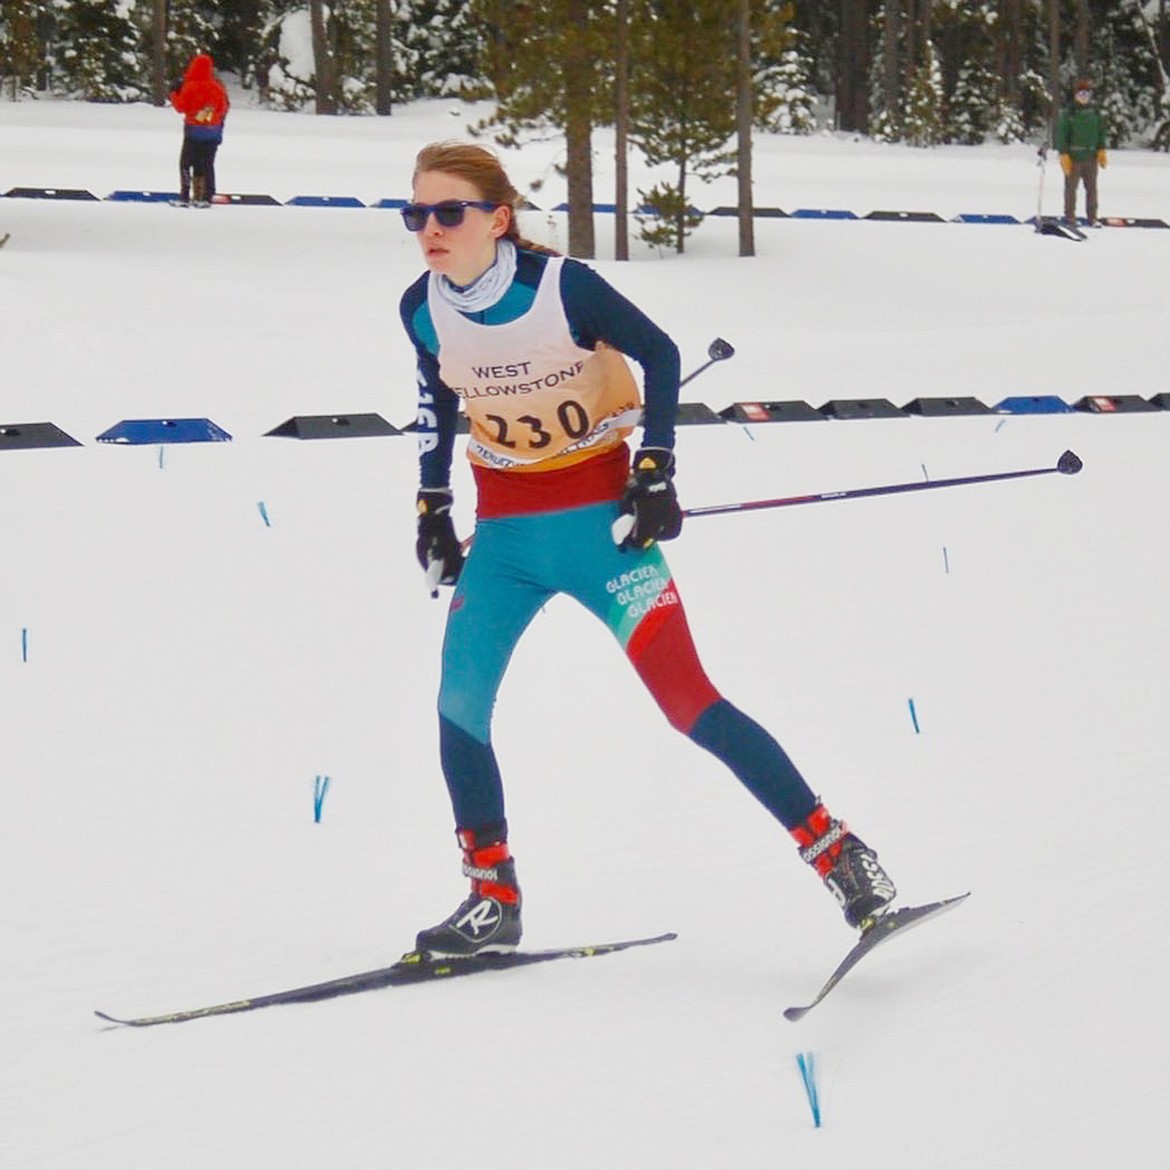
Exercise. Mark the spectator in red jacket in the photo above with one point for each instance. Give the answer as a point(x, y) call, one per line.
point(203, 102)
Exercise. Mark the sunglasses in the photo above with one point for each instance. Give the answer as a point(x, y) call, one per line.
point(449, 213)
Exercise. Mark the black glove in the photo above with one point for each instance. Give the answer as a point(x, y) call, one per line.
point(649, 508)
point(438, 549)
point(176, 86)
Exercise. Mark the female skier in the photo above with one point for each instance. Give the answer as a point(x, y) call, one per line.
point(532, 344)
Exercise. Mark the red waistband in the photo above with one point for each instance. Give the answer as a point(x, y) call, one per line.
point(518, 493)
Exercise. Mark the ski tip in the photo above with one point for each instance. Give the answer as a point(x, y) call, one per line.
point(1069, 463)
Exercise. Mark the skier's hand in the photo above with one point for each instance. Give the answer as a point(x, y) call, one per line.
point(649, 507)
point(1066, 163)
point(1102, 159)
point(437, 548)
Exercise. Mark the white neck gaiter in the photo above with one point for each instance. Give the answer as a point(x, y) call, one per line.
point(487, 288)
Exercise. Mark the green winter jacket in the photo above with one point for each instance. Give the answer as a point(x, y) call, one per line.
point(1080, 132)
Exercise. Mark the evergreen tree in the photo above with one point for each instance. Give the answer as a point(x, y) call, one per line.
point(438, 47)
point(683, 73)
point(922, 117)
point(966, 38)
point(1127, 70)
point(973, 103)
point(192, 27)
point(547, 63)
point(96, 51)
point(885, 104)
point(787, 102)
point(20, 48)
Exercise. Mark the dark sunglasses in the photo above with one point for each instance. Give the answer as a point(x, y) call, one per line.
point(449, 213)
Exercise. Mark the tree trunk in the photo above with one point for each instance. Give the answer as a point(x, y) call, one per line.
point(853, 66)
point(1009, 32)
point(383, 57)
point(911, 34)
point(28, 28)
point(1083, 35)
point(160, 83)
point(579, 134)
point(1053, 66)
point(891, 87)
point(621, 218)
point(743, 129)
point(326, 79)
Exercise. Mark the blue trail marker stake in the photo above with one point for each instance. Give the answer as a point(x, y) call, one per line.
point(320, 788)
point(264, 514)
point(24, 643)
point(914, 717)
point(162, 457)
point(946, 560)
point(808, 1073)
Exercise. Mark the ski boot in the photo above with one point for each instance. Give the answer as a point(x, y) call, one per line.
point(846, 865)
point(488, 921)
point(199, 197)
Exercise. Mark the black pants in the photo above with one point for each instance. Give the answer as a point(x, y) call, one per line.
point(197, 158)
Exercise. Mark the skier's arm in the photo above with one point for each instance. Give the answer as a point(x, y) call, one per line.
point(438, 404)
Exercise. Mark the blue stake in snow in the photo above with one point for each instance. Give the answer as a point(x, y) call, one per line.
point(24, 643)
point(914, 717)
point(808, 1073)
point(162, 457)
point(320, 788)
point(264, 514)
point(946, 560)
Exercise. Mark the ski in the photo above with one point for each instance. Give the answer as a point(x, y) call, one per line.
point(878, 931)
point(413, 967)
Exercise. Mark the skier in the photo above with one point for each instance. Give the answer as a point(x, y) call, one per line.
point(203, 102)
point(1080, 139)
point(532, 344)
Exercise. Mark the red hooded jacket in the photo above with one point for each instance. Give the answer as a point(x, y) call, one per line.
point(202, 100)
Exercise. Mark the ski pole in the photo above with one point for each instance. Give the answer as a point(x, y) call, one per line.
point(718, 351)
point(1042, 155)
point(1067, 464)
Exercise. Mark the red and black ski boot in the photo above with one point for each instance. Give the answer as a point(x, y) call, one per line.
point(846, 865)
point(488, 921)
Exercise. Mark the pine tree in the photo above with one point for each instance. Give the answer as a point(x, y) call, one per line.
point(192, 27)
point(923, 113)
point(20, 48)
point(547, 63)
point(1128, 74)
point(437, 47)
point(787, 98)
point(96, 51)
point(683, 71)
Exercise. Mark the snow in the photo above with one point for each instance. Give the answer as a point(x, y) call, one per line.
point(190, 671)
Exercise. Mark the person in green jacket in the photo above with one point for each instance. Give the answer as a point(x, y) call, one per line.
point(1080, 139)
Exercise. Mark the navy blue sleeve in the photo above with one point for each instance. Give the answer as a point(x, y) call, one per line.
point(438, 404)
point(598, 312)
